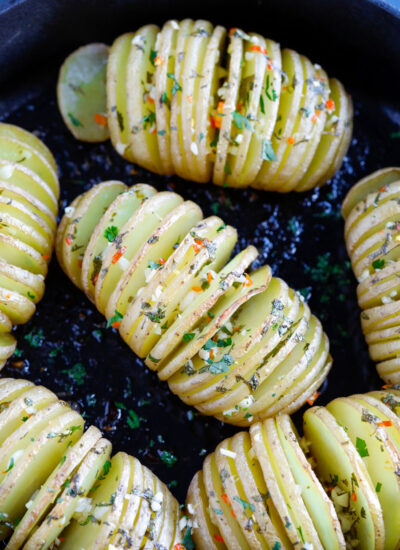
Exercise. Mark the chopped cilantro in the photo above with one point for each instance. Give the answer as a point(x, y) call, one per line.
point(361, 447)
point(110, 233)
point(77, 373)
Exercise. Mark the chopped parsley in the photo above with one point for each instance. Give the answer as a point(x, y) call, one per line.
point(361, 447)
point(110, 233)
point(77, 373)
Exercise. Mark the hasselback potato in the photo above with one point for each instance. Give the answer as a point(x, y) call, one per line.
point(372, 232)
point(59, 487)
point(237, 345)
point(29, 193)
point(337, 487)
point(193, 100)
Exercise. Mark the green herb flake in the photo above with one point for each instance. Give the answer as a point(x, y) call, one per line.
point(74, 120)
point(77, 373)
point(187, 541)
point(110, 233)
point(168, 458)
point(188, 336)
point(246, 505)
point(361, 447)
point(378, 264)
point(35, 337)
point(241, 121)
point(176, 86)
point(267, 152)
point(133, 420)
point(378, 487)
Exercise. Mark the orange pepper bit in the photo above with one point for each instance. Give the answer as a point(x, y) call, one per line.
point(150, 100)
point(189, 99)
point(161, 261)
point(158, 61)
point(315, 115)
point(218, 538)
point(218, 117)
point(330, 104)
point(80, 263)
point(311, 400)
point(209, 277)
point(68, 240)
point(197, 288)
point(354, 497)
point(259, 49)
point(118, 255)
point(100, 119)
point(232, 30)
point(248, 281)
point(46, 257)
point(291, 140)
point(116, 324)
point(382, 189)
point(386, 423)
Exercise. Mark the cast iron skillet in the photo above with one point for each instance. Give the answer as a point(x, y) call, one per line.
point(66, 345)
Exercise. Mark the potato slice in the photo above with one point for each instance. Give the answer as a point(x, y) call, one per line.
point(42, 214)
point(24, 232)
point(341, 469)
point(253, 78)
point(364, 424)
point(318, 504)
point(17, 308)
point(310, 127)
point(370, 184)
point(206, 299)
point(27, 180)
point(208, 85)
point(22, 281)
point(164, 61)
point(81, 92)
point(10, 389)
point(117, 95)
point(50, 492)
point(73, 497)
point(23, 154)
point(107, 504)
point(288, 108)
point(30, 140)
point(186, 268)
point(136, 231)
point(229, 94)
point(5, 323)
point(107, 229)
point(21, 255)
point(335, 127)
point(266, 116)
point(191, 80)
point(142, 132)
point(85, 218)
point(152, 255)
point(175, 125)
point(29, 466)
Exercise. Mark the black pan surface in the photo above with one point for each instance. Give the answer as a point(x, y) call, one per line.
point(66, 346)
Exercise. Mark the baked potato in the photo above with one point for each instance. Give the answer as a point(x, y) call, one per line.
point(29, 194)
point(237, 345)
point(372, 232)
point(337, 487)
point(193, 100)
point(59, 487)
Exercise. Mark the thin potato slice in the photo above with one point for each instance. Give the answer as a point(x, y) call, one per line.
point(81, 92)
point(27, 180)
point(142, 131)
point(84, 220)
point(15, 132)
point(289, 105)
point(7, 347)
point(117, 95)
point(21, 153)
point(164, 62)
point(191, 79)
point(21, 255)
point(340, 467)
point(209, 81)
point(176, 139)
point(22, 281)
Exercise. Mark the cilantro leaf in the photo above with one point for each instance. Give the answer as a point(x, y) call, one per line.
point(361, 447)
point(110, 233)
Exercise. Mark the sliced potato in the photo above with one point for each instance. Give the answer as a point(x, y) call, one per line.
point(81, 92)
